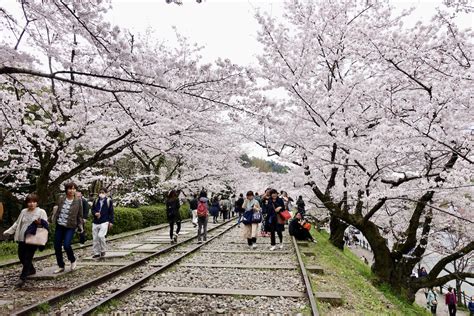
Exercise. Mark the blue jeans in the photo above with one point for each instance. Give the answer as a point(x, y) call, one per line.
point(63, 235)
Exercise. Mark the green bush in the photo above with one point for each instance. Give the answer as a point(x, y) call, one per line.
point(156, 214)
point(184, 211)
point(8, 248)
point(126, 219)
point(153, 214)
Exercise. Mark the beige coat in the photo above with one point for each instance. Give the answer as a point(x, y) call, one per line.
point(18, 227)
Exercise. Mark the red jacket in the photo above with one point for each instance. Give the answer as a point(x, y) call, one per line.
point(450, 298)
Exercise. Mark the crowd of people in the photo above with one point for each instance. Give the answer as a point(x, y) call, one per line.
point(69, 216)
point(257, 215)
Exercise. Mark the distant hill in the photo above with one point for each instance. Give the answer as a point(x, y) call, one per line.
point(263, 165)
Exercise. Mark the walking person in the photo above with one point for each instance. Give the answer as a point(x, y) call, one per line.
point(275, 206)
point(238, 208)
point(250, 228)
point(67, 215)
point(300, 205)
point(265, 230)
point(173, 215)
point(203, 215)
point(232, 205)
point(215, 209)
point(193, 205)
point(103, 210)
point(470, 307)
point(451, 301)
point(225, 207)
point(32, 215)
point(85, 216)
point(431, 301)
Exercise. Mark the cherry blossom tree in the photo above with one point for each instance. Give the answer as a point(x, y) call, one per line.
point(77, 91)
point(377, 117)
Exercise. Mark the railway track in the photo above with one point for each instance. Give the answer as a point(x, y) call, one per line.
point(50, 253)
point(221, 275)
point(39, 294)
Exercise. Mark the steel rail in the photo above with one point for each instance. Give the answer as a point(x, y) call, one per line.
point(89, 243)
point(101, 279)
point(162, 268)
point(307, 282)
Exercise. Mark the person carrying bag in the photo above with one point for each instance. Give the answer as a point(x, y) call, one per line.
point(29, 236)
point(251, 218)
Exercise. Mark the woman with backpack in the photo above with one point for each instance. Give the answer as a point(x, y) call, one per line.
point(253, 211)
point(173, 215)
point(215, 209)
point(32, 215)
point(202, 215)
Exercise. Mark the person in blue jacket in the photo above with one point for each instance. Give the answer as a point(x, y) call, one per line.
point(470, 306)
point(103, 213)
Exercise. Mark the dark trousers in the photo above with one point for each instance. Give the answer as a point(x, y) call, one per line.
point(303, 234)
point(278, 228)
point(225, 214)
point(63, 236)
point(82, 237)
point(178, 228)
point(26, 254)
point(251, 241)
point(214, 218)
point(202, 228)
point(452, 309)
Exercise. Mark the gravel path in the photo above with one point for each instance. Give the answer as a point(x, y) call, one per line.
point(137, 303)
point(228, 278)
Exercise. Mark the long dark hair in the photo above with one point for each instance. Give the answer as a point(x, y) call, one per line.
point(172, 195)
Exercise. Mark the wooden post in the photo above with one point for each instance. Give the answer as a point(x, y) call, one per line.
point(1, 212)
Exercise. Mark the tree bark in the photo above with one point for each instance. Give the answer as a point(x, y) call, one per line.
point(337, 228)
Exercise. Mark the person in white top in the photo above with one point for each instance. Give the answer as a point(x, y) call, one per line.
point(31, 214)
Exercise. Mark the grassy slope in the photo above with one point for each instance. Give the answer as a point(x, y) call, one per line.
point(347, 274)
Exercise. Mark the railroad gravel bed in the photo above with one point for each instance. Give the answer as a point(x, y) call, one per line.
point(234, 258)
point(244, 279)
point(93, 295)
point(35, 290)
point(138, 303)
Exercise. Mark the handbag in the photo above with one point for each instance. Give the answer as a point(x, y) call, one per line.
point(256, 217)
point(247, 217)
point(285, 215)
point(38, 239)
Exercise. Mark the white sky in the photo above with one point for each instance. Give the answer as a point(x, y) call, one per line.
point(226, 28)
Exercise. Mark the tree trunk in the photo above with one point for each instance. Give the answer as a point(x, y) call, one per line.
point(459, 293)
point(337, 228)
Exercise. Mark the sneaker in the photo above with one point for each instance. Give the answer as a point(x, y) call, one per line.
point(254, 246)
point(60, 270)
point(73, 265)
point(102, 254)
point(95, 256)
point(199, 241)
point(20, 283)
point(272, 248)
point(281, 246)
point(175, 238)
